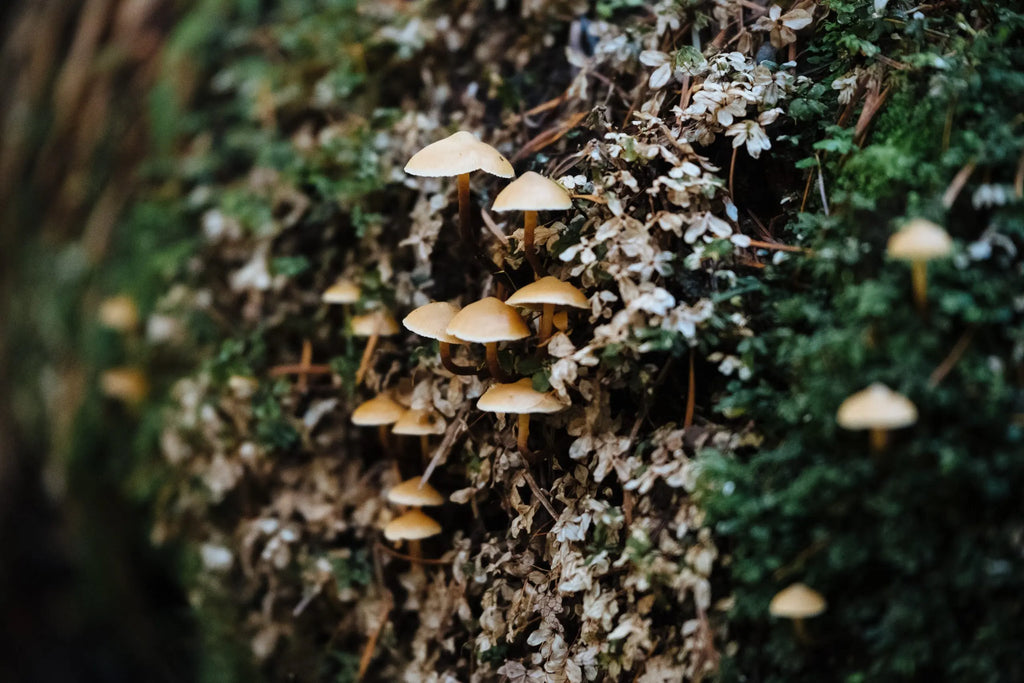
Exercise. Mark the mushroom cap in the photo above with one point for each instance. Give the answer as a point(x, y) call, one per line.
point(518, 397)
point(532, 192)
point(380, 410)
point(378, 322)
point(919, 240)
point(549, 290)
point(341, 292)
point(125, 383)
point(877, 407)
point(119, 313)
point(412, 526)
point(431, 320)
point(410, 492)
point(796, 602)
point(486, 321)
point(457, 154)
point(417, 422)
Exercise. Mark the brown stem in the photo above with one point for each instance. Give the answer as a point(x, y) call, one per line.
point(879, 439)
point(919, 276)
point(691, 396)
point(385, 442)
point(364, 362)
point(494, 366)
point(800, 629)
point(451, 365)
point(529, 224)
point(415, 553)
point(546, 320)
point(524, 434)
point(425, 448)
point(465, 218)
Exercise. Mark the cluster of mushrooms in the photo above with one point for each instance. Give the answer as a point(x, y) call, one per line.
point(876, 409)
point(491, 321)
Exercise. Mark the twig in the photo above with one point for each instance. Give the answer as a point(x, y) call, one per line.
point(957, 184)
point(455, 430)
point(549, 136)
point(777, 247)
point(821, 187)
point(371, 644)
point(691, 399)
point(732, 167)
point(538, 494)
point(1018, 180)
point(955, 354)
point(409, 558)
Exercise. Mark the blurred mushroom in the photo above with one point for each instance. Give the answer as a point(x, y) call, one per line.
point(379, 412)
point(419, 423)
point(920, 241)
point(126, 384)
point(877, 409)
point(119, 313)
point(797, 602)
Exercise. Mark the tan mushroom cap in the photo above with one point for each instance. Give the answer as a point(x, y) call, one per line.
point(418, 422)
point(119, 313)
point(457, 154)
point(379, 322)
point(128, 384)
point(431, 321)
point(412, 526)
point(920, 240)
point(518, 397)
point(532, 192)
point(549, 290)
point(487, 321)
point(797, 602)
point(877, 407)
point(341, 292)
point(377, 411)
point(410, 492)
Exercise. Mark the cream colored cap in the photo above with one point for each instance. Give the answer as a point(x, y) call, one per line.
point(797, 602)
point(417, 422)
point(377, 411)
point(549, 290)
point(518, 397)
point(378, 322)
point(920, 240)
point(410, 492)
point(128, 384)
point(119, 313)
point(341, 292)
point(877, 407)
point(457, 154)
point(532, 192)
point(431, 320)
point(412, 526)
point(486, 321)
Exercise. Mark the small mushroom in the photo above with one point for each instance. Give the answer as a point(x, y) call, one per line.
point(419, 423)
point(489, 322)
point(379, 412)
point(374, 326)
point(459, 155)
point(415, 493)
point(523, 400)
point(431, 321)
point(877, 409)
point(341, 292)
point(119, 313)
point(797, 602)
point(531, 193)
point(548, 292)
point(920, 241)
point(126, 384)
point(414, 525)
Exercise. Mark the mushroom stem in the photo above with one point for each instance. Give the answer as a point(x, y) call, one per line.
point(800, 629)
point(464, 209)
point(546, 320)
point(524, 434)
point(919, 276)
point(879, 439)
point(451, 365)
point(385, 442)
point(425, 448)
point(529, 223)
point(415, 552)
point(494, 366)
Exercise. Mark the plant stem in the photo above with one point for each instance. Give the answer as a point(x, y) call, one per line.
point(494, 366)
point(451, 365)
point(524, 434)
point(529, 224)
point(919, 275)
point(464, 209)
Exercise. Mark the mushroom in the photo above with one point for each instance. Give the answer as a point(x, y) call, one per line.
point(413, 525)
point(459, 155)
point(415, 493)
point(920, 241)
point(119, 313)
point(489, 322)
point(341, 292)
point(548, 292)
point(373, 325)
point(797, 602)
point(419, 423)
point(379, 412)
point(522, 399)
point(531, 193)
point(430, 321)
point(126, 384)
point(878, 409)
